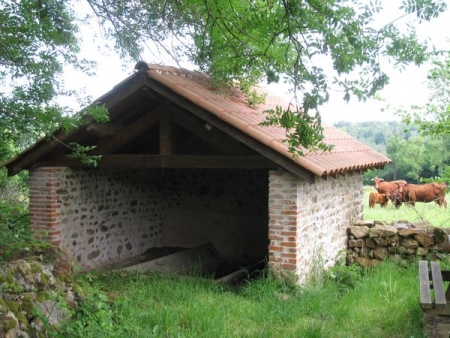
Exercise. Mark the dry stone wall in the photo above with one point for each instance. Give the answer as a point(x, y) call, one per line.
point(370, 242)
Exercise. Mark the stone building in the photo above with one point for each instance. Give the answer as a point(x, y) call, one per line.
point(183, 164)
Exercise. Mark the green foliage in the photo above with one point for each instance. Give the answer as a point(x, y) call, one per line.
point(415, 157)
point(37, 38)
point(253, 98)
point(304, 131)
point(14, 215)
point(353, 303)
point(92, 318)
point(81, 153)
point(234, 41)
point(345, 277)
point(14, 222)
point(246, 42)
point(433, 118)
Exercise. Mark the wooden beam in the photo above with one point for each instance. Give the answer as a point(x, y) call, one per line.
point(128, 134)
point(169, 161)
point(27, 158)
point(131, 85)
point(211, 135)
point(165, 133)
point(104, 129)
point(239, 135)
point(122, 91)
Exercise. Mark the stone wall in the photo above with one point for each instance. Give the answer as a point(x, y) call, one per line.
point(369, 242)
point(104, 216)
point(308, 222)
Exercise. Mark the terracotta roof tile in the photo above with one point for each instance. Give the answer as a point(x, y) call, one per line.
point(347, 154)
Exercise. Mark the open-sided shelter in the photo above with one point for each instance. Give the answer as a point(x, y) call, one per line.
point(183, 164)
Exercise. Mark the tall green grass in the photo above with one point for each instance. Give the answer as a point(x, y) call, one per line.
point(382, 302)
point(346, 301)
point(431, 212)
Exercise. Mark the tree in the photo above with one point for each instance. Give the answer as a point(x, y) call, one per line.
point(434, 117)
point(394, 150)
point(36, 39)
point(235, 41)
point(248, 41)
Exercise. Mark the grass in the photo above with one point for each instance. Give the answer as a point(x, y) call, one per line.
point(431, 212)
point(382, 302)
point(344, 302)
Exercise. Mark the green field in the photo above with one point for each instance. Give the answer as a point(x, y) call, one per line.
point(431, 212)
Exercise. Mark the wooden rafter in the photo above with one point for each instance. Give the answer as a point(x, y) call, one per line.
point(104, 129)
point(212, 135)
point(128, 134)
point(259, 147)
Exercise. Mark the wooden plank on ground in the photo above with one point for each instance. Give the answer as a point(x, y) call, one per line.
point(425, 293)
point(204, 257)
point(438, 286)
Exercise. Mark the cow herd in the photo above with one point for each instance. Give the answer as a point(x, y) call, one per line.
point(403, 192)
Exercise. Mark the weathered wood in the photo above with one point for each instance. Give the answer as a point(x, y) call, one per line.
point(104, 129)
point(438, 286)
point(425, 292)
point(165, 134)
point(128, 134)
point(44, 146)
point(433, 299)
point(258, 146)
point(169, 161)
point(213, 136)
point(115, 100)
point(205, 257)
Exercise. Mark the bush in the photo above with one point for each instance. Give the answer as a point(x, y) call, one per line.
point(14, 223)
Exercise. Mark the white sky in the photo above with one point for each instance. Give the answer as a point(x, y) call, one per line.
point(405, 88)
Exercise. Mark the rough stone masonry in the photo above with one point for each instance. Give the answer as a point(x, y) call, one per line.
point(369, 242)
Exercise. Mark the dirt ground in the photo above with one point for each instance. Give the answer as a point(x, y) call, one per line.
point(437, 326)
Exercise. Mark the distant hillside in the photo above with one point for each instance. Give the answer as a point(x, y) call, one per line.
point(377, 134)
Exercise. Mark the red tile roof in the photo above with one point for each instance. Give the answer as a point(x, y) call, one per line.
point(348, 154)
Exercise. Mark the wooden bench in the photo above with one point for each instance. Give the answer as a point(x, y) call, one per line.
point(432, 278)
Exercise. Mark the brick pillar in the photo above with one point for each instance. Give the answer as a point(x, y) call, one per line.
point(44, 207)
point(283, 212)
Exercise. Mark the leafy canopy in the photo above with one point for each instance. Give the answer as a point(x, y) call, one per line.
point(36, 39)
point(235, 41)
point(434, 117)
point(251, 41)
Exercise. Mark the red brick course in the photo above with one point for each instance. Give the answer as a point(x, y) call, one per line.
point(44, 208)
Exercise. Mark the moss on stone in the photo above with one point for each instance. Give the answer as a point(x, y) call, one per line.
point(9, 323)
point(10, 277)
point(44, 279)
point(23, 321)
point(13, 306)
point(28, 305)
point(35, 268)
point(40, 297)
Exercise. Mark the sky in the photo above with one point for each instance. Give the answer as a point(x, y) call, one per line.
point(406, 87)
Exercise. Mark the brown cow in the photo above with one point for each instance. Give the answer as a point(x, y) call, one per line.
point(376, 198)
point(397, 199)
point(390, 189)
point(429, 192)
